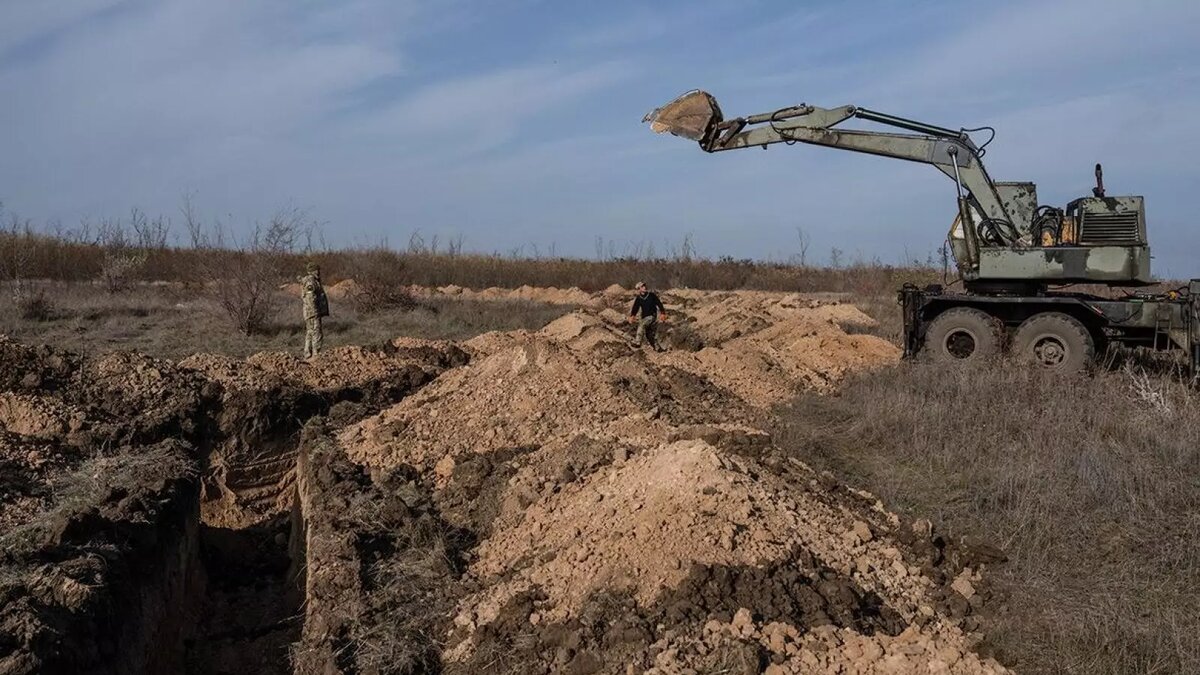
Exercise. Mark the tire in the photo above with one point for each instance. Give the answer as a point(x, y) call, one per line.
point(1056, 342)
point(963, 335)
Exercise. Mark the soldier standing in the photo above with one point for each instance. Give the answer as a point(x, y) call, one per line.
point(316, 307)
point(647, 311)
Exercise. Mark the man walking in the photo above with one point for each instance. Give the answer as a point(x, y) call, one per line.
point(646, 312)
point(316, 307)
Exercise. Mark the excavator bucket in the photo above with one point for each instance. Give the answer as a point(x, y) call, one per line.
point(693, 115)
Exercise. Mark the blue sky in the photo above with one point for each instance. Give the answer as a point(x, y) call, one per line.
point(516, 123)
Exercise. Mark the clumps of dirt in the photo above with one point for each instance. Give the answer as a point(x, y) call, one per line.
point(471, 489)
point(100, 582)
point(614, 633)
point(380, 566)
point(530, 394)
point(781, 648)
point(681, 556)
point(374, 375)
point(57, 409)
point(112, 399)
point(98, 501)
point(41, 368)
point(637, 527)
point(39, 416)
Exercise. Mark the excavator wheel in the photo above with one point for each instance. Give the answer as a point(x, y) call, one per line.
point(1055, 341)
point(963, 335)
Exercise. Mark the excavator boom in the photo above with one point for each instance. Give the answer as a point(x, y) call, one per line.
point(696, 116)
point(1000, 237)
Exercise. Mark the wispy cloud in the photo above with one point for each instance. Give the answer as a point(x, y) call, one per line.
point(26, 22)
point(518, 122)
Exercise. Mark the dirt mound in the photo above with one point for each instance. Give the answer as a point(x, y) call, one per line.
point(534, 501)
point(780, 648)
point(771, 365)
point(57, 409)
point(549, 295)
point(380, 566)
point(38, 416)
point(636, 527)
point(686, 556)
point(345, 288)
point(585, 332)
point(724, 317)
point(536, 391)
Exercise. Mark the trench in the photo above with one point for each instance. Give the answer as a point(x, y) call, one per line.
point(249, 614)
point(246, 613)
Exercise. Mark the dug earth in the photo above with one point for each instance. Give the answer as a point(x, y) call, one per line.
point(525, 502)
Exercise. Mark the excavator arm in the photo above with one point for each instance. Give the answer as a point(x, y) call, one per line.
point(695, 115)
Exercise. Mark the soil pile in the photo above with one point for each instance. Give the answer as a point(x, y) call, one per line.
point(141, 501)
point(713, 551)
point(629, 511)
point(58, 409)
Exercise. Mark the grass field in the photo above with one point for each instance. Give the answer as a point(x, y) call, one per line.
point(173, 321)
point(1091, 487)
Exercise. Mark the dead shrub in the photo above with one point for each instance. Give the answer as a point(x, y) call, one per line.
point(123, 255)
point(381, 282)
point(36, 306)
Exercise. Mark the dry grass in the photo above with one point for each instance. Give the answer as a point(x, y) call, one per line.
point(174, 321)
point(1091, 485)
point(28, 255)
point(92, 482)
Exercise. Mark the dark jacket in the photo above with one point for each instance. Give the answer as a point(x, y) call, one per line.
point(647, 305)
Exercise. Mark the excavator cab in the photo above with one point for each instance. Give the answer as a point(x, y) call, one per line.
point(694, 115)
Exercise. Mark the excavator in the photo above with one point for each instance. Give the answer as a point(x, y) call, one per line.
point(1016, 260)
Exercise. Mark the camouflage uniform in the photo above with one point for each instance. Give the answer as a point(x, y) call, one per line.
point(316, 307)
point(647, 331)
point(646, 310)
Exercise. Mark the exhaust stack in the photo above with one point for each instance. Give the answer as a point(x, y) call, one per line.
point(694, 115)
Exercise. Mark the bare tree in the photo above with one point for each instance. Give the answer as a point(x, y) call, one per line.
point(244, 274)
point(804, 240)
point(247, 289)
point(16, 252)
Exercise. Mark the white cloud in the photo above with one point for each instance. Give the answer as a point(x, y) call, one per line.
point(476, 112)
